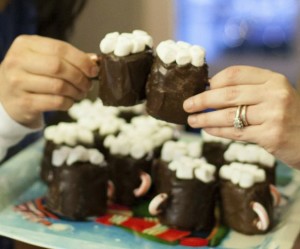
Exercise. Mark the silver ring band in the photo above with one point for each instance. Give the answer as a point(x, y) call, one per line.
point(243, 115)
point(237, 122)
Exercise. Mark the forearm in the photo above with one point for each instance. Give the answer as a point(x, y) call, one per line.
point(11, 132)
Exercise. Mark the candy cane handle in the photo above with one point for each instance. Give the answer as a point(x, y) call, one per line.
point(110, 189)
point(156, 202)
point(263, 217)
point(275, 195)
point(145, 185)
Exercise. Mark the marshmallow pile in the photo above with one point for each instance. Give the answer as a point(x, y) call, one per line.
point(89, 109)
point(103, 124)
point(180, 52)
point(207, 138)
point(139, 138)
point(190, 168)
point(69, 133)
point(173, 150)
point(249, 153)
point(69, 156)
point(125, 43)
point(244, 175)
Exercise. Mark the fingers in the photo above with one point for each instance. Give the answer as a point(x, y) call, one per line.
point(53, 66)
point(240, 75)
point(249, 133)
point(53, 86)
point(82, 61)
point(225, 117)
point(225, 97)
point(44, 102)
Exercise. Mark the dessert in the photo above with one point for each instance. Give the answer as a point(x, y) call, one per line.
point(126, 61)
point(186, 190)
point(246, 200)
point(178, 72)
point(70, 134)
point(131, 154)
point(79, 186)
point(253, 154)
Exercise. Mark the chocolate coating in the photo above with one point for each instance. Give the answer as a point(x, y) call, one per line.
point(214, 153)
point(191, 203)
point(236, 206)
point(78, 191)
point(169, 85)
point(122, 80)
point(125, 174)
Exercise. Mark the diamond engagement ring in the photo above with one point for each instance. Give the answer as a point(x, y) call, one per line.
point(238, 123)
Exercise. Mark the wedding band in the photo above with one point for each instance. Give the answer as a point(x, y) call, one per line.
point(243, 115)
point(237, 122)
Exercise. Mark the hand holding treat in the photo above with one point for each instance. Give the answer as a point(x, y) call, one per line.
point(41, 74)
point(125, 62)
point(254, 105)
point(179, 72)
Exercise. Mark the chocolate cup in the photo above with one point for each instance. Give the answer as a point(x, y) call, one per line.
point(78, 191)
point(124, 172)
point(236, 210)
point(168, 86)
point(122, 80)
point(190, 204)
point(214, 153)
point(46, 173)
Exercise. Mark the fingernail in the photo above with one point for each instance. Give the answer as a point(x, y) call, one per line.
point(188, 104)
point(94, 57)
point(192, 120)
point(94, 71)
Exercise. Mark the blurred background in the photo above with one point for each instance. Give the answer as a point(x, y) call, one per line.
point(264, 33)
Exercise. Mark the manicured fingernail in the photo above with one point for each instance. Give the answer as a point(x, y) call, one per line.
point(94, 71)
point(192, 120)
point(94, 57)
point(188, 104)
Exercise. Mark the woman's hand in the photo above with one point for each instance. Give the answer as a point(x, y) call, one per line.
point(273, 110)
point(40, 74)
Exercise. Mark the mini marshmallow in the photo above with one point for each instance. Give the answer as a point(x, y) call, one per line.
point(137, 151)
point(195, 149)
point(126, 43)
point(244, 175)
point(123, 47)
point(60, 156)
point(78, 154)
point(205, 172)
point(181, 52)
point(266, 158)
point(95, 157)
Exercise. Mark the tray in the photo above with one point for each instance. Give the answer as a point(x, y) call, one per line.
point(19, 182)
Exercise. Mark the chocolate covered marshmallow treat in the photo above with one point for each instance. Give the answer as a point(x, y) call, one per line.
point(178, 72)
point(125, 60)
point(246, 200)
point(186, 188)
point(131, 154)
point(70, 134)
point(79, 186)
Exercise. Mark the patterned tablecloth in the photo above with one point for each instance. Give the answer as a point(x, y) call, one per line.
point(19, 182)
